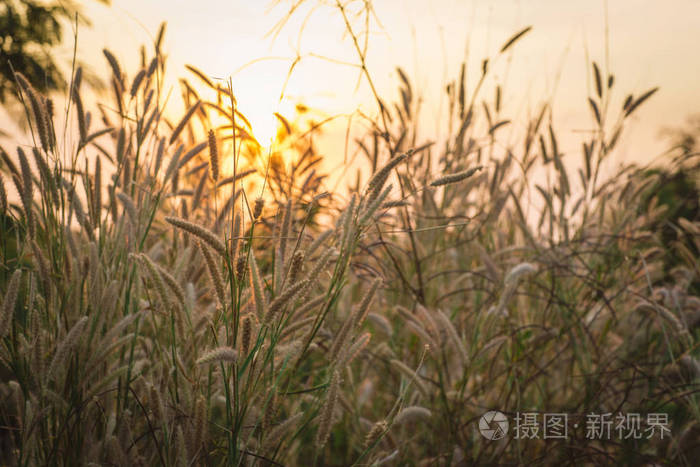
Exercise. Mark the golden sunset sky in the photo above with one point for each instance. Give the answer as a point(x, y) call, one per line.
point(650, 43)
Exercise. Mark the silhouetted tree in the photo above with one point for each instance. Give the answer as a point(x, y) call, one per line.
point(28, 30)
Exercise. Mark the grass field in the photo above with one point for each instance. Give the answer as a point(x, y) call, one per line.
point(174, 293)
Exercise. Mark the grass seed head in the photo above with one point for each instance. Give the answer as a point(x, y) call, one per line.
point(213, 156)
point(220, 354)
point(258, 207)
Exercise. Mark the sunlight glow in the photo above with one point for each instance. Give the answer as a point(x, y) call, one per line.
point(262, 117)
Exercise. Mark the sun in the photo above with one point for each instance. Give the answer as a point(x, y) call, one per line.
point(262, 118)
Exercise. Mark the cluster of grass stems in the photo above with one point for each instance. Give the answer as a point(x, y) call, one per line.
point(160, 309)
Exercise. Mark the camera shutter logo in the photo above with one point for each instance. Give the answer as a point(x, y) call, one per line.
point(493, 425)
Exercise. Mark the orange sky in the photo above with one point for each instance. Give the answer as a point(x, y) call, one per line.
point(651, 43)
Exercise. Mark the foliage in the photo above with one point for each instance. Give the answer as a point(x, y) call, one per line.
point(173, 295)
point(28, 30)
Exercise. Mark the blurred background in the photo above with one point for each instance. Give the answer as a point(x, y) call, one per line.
point(281, 53)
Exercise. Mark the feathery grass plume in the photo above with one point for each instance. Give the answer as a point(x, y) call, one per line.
point(452, 334)
point(411, 375)
point(511, 283)
point(213, 156)
point(39, 354)
point(310, 305)
point(285, 232)
point(68, 235)
point(422, 333)
point(121, 145)
point(152, 67)
point(297, 325)
point(377, 181)
point(270, 412)
point(654, 308)
point(117, 89)
point(318, 241)
point(318, 268)
point(214, 273)
point(66, 346)
point(3, 196)
point(172, 171)
point(239, 176)
point(27, 182)
point(44, 269)
point(173, 284)
point(197, 196)
point(691, 364)
point(116, 331)
point(80, 111)
point(97, 194)
point(49, 110)
point(374, 205)
point(180, 126)
point(19, 402)
point(376, 433)
point(455, 177)
point(200, 423)
point(326, 420)
point(277, 271)
point(223, 215)
point(156, 278)
point(77, 206)
point(356, 347)
point(241, 265)
point(235, 240)
point(258, 207)
point(129, 207)
point(282, 299)
point(256, 285)
point(429, 323)
point(47, 177)
point(363, 307)
point(220, 354)
point(319, 197)
point(246, 333)
point(159, 153)
point(274, 436)
point(297, 263)
point(136, 83)
point(182, 454)
point(379, 321)
point(156, 404)
point(36, 102)
point(519, 271)
point(347, 220)
point(394, 204)
point(209, 237)
point(26, 206)
point(341, 338)
point(8, 302)
point(124, 433)
point(413, 413)
point(126, 174)
point(114, 64)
